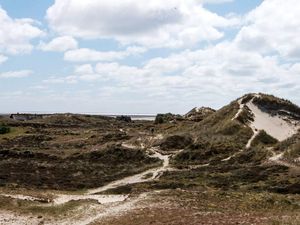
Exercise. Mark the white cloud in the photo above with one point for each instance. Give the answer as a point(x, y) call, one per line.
point(215, 1)
point(258, 59)
point(16, 74)
point(154, 23)
point(85, 54)
point(2, 59)
point(16, 34)
point(221, 70)
point(274, 26)
point(59, 44)
point(84, 69)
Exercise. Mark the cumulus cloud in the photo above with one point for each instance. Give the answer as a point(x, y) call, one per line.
point(215, 1)
point(262, 57)
point(59, 44)
point(16, 34)
point(155, 23)
point(274, 26)
point(223, 68)
point(16, 74)
point(85, 54)
point(84, 69)
point(2, 59)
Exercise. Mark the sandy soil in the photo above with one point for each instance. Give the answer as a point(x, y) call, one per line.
point(109, 205)
point(275, 126)
point(138, 178)
point(240, 109)
point(11, 218)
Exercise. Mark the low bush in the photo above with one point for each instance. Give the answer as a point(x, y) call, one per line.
point(4, 129)
point(264, 138)
point(176, 142)
point(165, 118)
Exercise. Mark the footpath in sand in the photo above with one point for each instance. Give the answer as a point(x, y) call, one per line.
point(109, 205)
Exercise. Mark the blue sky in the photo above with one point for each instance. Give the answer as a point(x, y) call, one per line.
point(129, 56)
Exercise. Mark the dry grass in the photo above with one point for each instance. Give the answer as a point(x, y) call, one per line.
point(211, 207)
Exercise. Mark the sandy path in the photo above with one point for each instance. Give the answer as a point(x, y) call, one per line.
point(91, 194)
point(138, 178)
point(91, 216)
point(278, 159)
point(255, 131)
point(240, 109)
point(110, 204)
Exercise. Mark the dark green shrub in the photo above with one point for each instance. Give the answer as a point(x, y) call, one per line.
point(176, 142)
point(126, 119)
point(168, 117)
point(230, 128)
point(247, 98)
point(4, 129)
point(264, 138)
point(159, 119)
point(294, 151)
point(271, 103)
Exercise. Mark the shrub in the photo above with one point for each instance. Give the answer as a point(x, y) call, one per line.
point(4, 129)
point(272, 104)
point(126, 119)
point(176, 142)
point(159, 119)
point(230, 128)
point(264, 138)
point(168, 117)
point(247, 98)
point(294, 151)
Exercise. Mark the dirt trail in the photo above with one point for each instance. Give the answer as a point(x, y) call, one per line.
point(241, 107)
point(113, 210)
point(113, 203)
point(255, 131)
point(278, 159)
point(138, 178)
point(94, 194)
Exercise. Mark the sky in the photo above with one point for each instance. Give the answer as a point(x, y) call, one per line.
point(145, 56)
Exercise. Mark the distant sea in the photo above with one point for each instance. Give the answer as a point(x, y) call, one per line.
point(133, 116)
point(149, 118)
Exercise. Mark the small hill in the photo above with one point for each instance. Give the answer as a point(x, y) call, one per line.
point(199, 114)
point(252, 142)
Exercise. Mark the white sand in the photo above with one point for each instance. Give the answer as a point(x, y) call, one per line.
point(240, 109)
point(11, 218)
point(23, 197)
point(275, 126)
point(148, 175)
point(101, 199)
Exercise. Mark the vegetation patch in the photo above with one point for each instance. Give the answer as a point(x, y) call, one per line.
point(294, 152)
point(245, 116)
point(264, 139)
point(176, 142)
point(273, 104)
point(165, 118)
point(80, 171)
point(4, 129)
